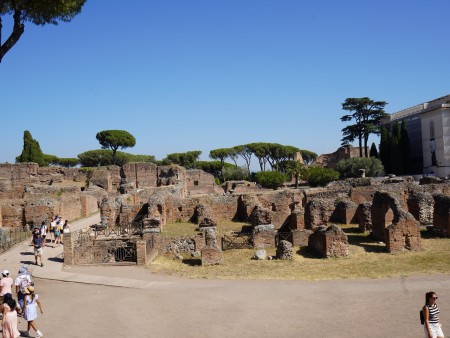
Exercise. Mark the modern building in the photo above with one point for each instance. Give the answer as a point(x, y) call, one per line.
point(428, 126)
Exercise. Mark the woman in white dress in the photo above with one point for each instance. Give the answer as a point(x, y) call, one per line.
point(30, 304)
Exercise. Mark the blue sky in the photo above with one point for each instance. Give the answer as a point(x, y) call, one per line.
point(186, 75)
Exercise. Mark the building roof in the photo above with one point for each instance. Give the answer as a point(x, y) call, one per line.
point(441, 102)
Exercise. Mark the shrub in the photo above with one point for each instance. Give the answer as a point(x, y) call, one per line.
point(350, 167)
point(319, 176)
point(235, 173)
point(270, 179)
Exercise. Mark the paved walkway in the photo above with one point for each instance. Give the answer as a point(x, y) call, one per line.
point(151, 305)
point(53, 268)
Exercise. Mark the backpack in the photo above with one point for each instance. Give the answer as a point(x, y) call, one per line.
point(24, 282)
point(422, 317)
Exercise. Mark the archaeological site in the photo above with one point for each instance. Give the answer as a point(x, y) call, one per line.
point(138, 200)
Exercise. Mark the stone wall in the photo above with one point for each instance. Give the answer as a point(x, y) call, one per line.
point(441, 215)
point(141, 175)
point(421, 206)
point(329, 242)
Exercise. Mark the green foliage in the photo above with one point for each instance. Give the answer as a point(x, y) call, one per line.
point(223, 153)
point(235, 173)
point(308, 156)
point(115, 139)
point(245, 152)
point(68, 162)
point(270, 179)
point(39, 12)
point(373, 150)
point(31, 151)
point(385, 149)
point(395, 151)
point(368, 115)
point(295, 169)
point(51, 159)
point(104, 157)
point(212, 167)
point(140, 158)
point(187, 159)
point(350, 167)
point(405, 148)
point(319, 176)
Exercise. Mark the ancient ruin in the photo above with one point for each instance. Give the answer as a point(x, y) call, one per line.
point(137, 200)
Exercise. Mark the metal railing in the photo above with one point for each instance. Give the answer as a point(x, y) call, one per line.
point(238, 241)
point(283, 236)
point(12, 236)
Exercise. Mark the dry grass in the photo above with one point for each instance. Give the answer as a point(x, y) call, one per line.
point(367, 260)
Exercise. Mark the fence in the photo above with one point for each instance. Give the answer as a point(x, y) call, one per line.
point(103, 244)
point(11, 236)
point(238, 241)
point(283, 236)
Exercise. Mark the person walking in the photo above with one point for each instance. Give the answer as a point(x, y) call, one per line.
point(5, 285)
point(58, 233)
point(43, 231)
point(9, 320)
point(31, 304)
point(432, 326)
point(38, 251)
point(22, 281)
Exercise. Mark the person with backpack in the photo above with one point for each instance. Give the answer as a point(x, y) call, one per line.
point(22, 281)
point(432, 326)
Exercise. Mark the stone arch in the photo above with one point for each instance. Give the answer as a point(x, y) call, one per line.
point(403, 233)
point(385, 211)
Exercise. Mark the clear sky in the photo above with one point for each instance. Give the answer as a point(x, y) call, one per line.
point(186, 75)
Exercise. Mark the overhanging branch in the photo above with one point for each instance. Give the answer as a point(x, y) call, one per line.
point(16, 33)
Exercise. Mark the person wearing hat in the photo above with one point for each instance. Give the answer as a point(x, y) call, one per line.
point(31, 303)
point(5, 285)
point(22, 281)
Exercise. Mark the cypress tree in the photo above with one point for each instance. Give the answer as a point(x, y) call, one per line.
point(31, 151)
point(405, 148)
point(373, 150)
point(396, 152)
point(385, 149)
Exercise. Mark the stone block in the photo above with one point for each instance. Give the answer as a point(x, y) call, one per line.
point(284, 250)
point(300, 237)
point(329, 242)
point(211, 256)
point(364, 216)
point(441, 215)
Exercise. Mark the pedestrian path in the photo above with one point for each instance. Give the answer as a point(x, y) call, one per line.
point(22, 253)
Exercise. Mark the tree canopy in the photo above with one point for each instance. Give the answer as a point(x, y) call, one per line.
point(115, 139)
point(31, 151)
point(38, 12)
point(367, 115)
point(187, 159)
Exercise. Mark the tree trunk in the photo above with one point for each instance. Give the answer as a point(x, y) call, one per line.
point(16, 33)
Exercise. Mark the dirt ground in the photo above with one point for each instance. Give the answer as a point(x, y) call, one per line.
point(176, 307)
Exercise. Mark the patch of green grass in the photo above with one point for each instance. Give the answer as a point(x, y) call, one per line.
point(189, 229)
point(367, 259)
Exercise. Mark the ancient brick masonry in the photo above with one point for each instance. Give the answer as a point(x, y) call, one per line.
point(284, 250)
point(403, 233)
point(363, 215)
point(329, 242)
point(421, 206)
point(441, 216)
point(211, 254)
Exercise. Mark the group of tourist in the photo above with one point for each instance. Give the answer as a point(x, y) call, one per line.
point(27, 303)
point(54, 231)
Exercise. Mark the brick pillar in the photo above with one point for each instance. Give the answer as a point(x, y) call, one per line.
point(141, 252)
point(68, 249)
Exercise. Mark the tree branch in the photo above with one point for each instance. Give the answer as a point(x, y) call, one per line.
point(16, 33)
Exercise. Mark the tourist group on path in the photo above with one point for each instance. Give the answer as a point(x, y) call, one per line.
point(28, 303)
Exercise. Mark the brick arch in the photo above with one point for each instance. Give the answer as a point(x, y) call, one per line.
point(403, 233)
point(385, 210)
